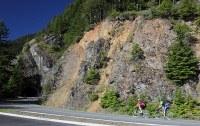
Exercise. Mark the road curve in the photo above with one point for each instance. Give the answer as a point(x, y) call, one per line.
point(43, 110)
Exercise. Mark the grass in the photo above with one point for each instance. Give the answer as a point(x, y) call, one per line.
point(7, 110)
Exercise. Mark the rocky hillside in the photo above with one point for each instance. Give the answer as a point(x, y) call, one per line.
point(114, 40)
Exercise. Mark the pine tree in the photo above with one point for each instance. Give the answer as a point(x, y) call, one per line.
point(164, 9)
point(3, 31)
point(181, 65)
point(5, 57)
point(187, 9)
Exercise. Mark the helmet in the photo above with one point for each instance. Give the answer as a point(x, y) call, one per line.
point(139, 99)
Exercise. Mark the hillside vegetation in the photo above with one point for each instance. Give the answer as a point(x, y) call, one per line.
point(102, 55)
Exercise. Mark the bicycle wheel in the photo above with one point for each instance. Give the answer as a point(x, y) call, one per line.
point(169, 115)
point(158, 114)
point(135, 113)
point(146, 114)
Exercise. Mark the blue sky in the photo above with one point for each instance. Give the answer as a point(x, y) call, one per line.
point(24, 17)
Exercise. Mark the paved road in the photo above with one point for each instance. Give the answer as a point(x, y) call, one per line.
point(96, 116)
point(15, 121)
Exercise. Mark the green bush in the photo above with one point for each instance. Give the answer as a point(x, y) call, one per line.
point(103, 59)
point(165, 8)
point(182, 31)
point(47, 88)
point(110, 99)
point(187, 9)
point(94, 96)
point(92, 77)
point(137, 67)
point(128, 106)
point(184, 106)
point(130, 38)
point(147, 14)
point(113, 14)
point(136, 53)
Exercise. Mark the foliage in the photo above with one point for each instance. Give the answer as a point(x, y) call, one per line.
point(94, 96)
point(51, 49)
point(182, 31)
point(136, 53)
point(128, 106)
point(137, 67)
point(5, 58)
point(17, 45)
point(187, 9)
point(14, 86)
point(92, 77)
point(130, 38)
point(164, 9)
point(197, 23)
point(3, 31)
point(82, 15)
point(185, 106)
point(113, 14)
point(103, 59)
point(47, 88)
point(181, 65)
point(110, 99)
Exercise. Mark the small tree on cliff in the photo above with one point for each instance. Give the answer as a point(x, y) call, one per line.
point(181, 65)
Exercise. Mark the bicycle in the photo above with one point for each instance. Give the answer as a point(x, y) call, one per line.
point(144, 114)
point(159, 114)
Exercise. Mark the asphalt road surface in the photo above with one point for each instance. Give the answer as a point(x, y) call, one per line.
point(15, 121)
point(37, 109)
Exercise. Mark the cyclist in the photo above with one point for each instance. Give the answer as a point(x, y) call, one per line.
point(164, 106)
point(141, 105)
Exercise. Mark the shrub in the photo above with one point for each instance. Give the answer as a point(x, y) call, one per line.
point(136, 53)
point(92, 77)
point(130, 38)
point(113, 14)
point(103, 59)
point(185, 106)
point(110, 99)
point(128, 106)
point(94, 96)
point(197, 23)
point(128, 15)
point(147, 14)
point(137, 67)
point(47, 88)
point(187, 9)
point(165, 8)
point(182, 31)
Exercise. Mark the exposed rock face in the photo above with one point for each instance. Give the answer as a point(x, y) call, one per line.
point(30, 66)
point(127, 77)
point(40, 66)
point(154, 38)
point(80, 93)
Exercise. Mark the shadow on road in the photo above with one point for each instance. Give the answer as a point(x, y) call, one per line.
point(28, 100)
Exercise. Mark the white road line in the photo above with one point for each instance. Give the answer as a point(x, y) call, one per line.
point(98, 119)
point(52, 120)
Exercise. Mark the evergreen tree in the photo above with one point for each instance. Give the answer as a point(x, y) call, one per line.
point(181, 65)
point(164, 9)
point(3, 31)
point(187, 9)
point(14, 84)
point(5, 57)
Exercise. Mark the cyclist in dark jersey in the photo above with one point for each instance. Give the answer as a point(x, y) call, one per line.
point(164, 106)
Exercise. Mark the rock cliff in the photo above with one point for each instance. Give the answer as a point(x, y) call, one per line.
point(127, 77)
